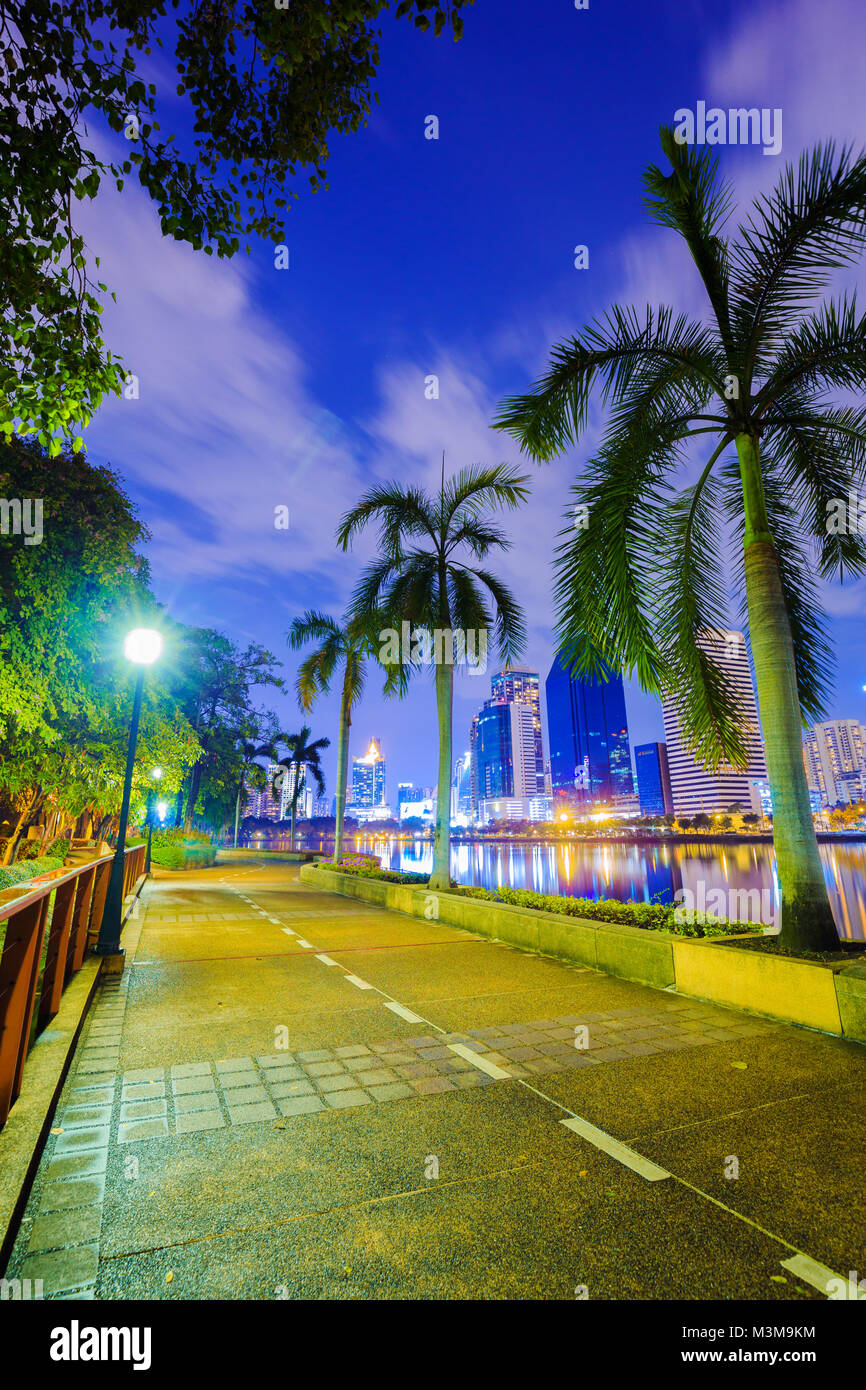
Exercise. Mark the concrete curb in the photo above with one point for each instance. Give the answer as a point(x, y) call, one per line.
point(830, 1000)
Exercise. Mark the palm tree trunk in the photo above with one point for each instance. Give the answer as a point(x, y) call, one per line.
point(342, 767)
point(441, 876)
point(807, 920)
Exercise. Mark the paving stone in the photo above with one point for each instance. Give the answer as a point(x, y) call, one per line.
point(362, 1064)
point(83, 1116)
point(520, 1054)
point(78, 1165)
point(382, 1077)
point(432, 1054)
point(245, 1114)
point(556, 1049)
point(202, 1100)
point(134, 1078)
point(324, 1069)
point(432, 1085)
point(71, 1139)
point(235, 1064)
point(578, 1059)
point(300, 1105)
point(154, 1090)
point(609, 1054)
point(191, 1069)
point(275, 1059)
point(142, 1129)
point(543, 1065)
point(343, 1100)
point(81, 1192)
point(286, 1089)
point(395, 1059)
point(244, 1095)
point(356, 1050)
point(337, 1083)
point(416, 1071)
point(323, 1055)
point(62, 1270)
point(199, 1120)
point(398, 1091)
point(466, 1079)
point(91, 1095)
point(97, 1071)
point(191, 1085)
point(142, 1110)
point(61, 1228)
point(274, 1075)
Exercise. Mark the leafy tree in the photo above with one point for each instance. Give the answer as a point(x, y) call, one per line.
point(302, 756)
point(252, 773)
point(350, 645)
point(420, 576)
point(262, 85)
point(641, 583)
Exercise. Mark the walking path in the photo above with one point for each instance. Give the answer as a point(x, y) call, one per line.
point(294, 1095)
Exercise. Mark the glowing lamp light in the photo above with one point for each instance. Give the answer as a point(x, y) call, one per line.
point(161, 808)
point(142, 646)
point(156, 774)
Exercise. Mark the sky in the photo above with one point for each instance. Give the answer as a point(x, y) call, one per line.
point(262, 388)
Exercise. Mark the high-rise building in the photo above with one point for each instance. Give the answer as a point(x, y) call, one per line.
point(503, 757)
point(523, 688)
point(653, 779)
point(590, 759)
point(306, 796)
point(835, 756)
point(461, 786)
point(695, 789)
point(368, 777)
point(405, 792)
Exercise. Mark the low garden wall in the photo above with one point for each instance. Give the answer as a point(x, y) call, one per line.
point(829, 999)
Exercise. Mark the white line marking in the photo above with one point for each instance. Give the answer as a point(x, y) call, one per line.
point(275, 921)
point(307, 945)
point(621, 1152)
point(326, 960)
point(289, 931)
point(358, 983)
point(818, 1275)
point(403, 1013)
point(480, 1062)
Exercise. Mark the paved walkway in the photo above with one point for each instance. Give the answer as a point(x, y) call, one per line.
point(294, 1095)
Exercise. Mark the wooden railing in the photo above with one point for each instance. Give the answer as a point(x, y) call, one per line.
point(59, 938)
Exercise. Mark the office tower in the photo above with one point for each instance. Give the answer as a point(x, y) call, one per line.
point(461, 786)
point(306, 796)
point(368, 777)
point(503, 762)
point(695, 790)
point(404, 793)
point(590, 759)
point(835, 756)
point(653, 779)
point(523, 688)
point(264, 804)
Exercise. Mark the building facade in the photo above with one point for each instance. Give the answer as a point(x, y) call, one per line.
point(590, 756)
point(653, 779)
point(695, 789)
point(835, 756)
point(524, 688)
point(368, 777)
point(503, 754)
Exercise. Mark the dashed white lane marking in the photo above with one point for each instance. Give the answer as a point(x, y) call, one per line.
point(398, 1009)
point(307, 945)
point(288, 931)
point(621, 1152)
point(275, 922)
point(480, 1062)
point(358, 982)
point(326, 960)
point(819, 1276)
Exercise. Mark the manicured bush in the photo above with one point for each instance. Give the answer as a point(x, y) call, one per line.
point(176, 848)
point(649, 916)
point(26, 869)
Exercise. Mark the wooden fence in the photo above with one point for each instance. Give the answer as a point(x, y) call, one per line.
point(43, 948)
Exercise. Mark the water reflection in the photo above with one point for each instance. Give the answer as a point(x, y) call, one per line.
point(638, 872)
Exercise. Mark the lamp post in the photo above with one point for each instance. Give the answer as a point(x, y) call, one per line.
point(151, 807)
point(142, 647)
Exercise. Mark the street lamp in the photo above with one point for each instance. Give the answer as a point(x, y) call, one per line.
point(151, 798)
point(142, 647)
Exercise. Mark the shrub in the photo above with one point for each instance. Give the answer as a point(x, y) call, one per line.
point(24, 870)
point(176, 848)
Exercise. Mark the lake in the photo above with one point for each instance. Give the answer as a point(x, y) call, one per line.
point(744, 873)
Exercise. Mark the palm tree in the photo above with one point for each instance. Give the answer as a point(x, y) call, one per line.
point(639, 581)
point(419, 576)
point(249, 755)
point(350, 644)
point(300, 755)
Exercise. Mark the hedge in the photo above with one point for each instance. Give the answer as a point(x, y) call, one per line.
point(26, 869)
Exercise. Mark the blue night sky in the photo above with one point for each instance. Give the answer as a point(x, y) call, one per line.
point(261, 387)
